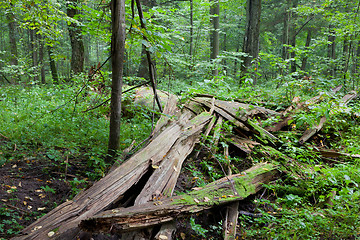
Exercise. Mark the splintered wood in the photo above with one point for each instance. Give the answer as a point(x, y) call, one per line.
point(158, 165)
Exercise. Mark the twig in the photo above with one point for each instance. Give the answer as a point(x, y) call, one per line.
point(151, 65)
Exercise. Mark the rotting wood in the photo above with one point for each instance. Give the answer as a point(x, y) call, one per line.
point(312, 131)
point(335, 154)
point(109, 189)
point(216, 193)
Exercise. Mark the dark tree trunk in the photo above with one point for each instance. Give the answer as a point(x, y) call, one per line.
point(143, 71)
point(191, 27)
point(252, 33)
point(76, 39)
point(307, 44)
point(33, 44)
point(345, 58)
point(41, 59)
point(331, 50)
point(292, 40)
point(214, 34)
point(144, 64)
point(52, 63)
point(12, 37)
point(285, 37)
point(117, 60)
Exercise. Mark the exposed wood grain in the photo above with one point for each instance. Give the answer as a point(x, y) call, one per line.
point(153, 213)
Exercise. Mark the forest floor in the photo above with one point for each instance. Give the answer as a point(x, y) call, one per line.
point(31, 185)
point(47, 156)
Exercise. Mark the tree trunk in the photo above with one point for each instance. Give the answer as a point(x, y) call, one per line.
point(346, 49)
point(52, 63)
point(331, 51)
point(252, 33)
point(41, 59)
point(214, 34)
point(144, 63)
point(191, 27)
point(76, 39)
point(117, 53)
point(292, 40)
point(33, 45)
point(223, 191)
point(307, 44)
point(12, 37)
point(285, 37)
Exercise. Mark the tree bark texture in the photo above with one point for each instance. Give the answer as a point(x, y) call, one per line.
point(307, 44)
point(252, 33)
point(226, 190)
point(12, 37)
point(53, 68)
point(331, 51)
point(292, 40)
point(117, 61)
point(76, 39)
point(214, 34)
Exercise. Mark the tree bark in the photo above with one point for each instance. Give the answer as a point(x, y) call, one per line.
point(331, 51)
point(53, 68)
point(118, 54)
point(252, 33)
point(33, 41)
point(226, 190)
point(143, 71)
point(285, 37)
point(41, 59)
point(191, 27)
point(214, 34)
point(307, 44)
point(76, 39)
point(292, 40)
point(12, 38)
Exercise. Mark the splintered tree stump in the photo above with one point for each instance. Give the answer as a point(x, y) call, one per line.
point(223, 191)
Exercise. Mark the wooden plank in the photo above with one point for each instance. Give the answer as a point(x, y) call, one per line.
point(149, 214)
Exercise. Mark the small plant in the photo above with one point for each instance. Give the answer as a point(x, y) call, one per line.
point(198, 228)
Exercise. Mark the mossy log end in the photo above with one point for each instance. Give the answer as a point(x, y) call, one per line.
point(223, 191)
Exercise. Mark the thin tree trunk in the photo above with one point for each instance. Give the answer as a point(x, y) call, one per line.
point(292, 40)
point(307, 44)
point(117, 60)
point(76, 39)
point(41, 59)
point(214, 34)
point(252, 33)
point(331, 51)
point(33, 44)
point(191, 27)
point(12, 37)
point(143, 71)
point(285, 37)
point(52, 63)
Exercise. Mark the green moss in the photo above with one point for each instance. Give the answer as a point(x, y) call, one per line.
point(212, 194)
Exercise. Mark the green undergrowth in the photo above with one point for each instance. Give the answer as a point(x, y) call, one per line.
point(56, 121)
point(316, 197)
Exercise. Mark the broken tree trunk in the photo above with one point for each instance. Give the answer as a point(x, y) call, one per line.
point(312, 131)
point(110, 189)
point(222, 191)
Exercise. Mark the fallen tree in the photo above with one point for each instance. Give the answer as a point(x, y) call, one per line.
point(138, 193)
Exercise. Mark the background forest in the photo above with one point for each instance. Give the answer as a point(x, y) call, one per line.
point(55, 86)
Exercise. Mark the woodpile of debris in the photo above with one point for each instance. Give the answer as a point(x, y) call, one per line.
point(138, 194)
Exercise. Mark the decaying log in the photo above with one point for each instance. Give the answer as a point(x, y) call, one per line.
point(228, 189)
point(65, 218)
point(312, 131)
point(334, 154)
